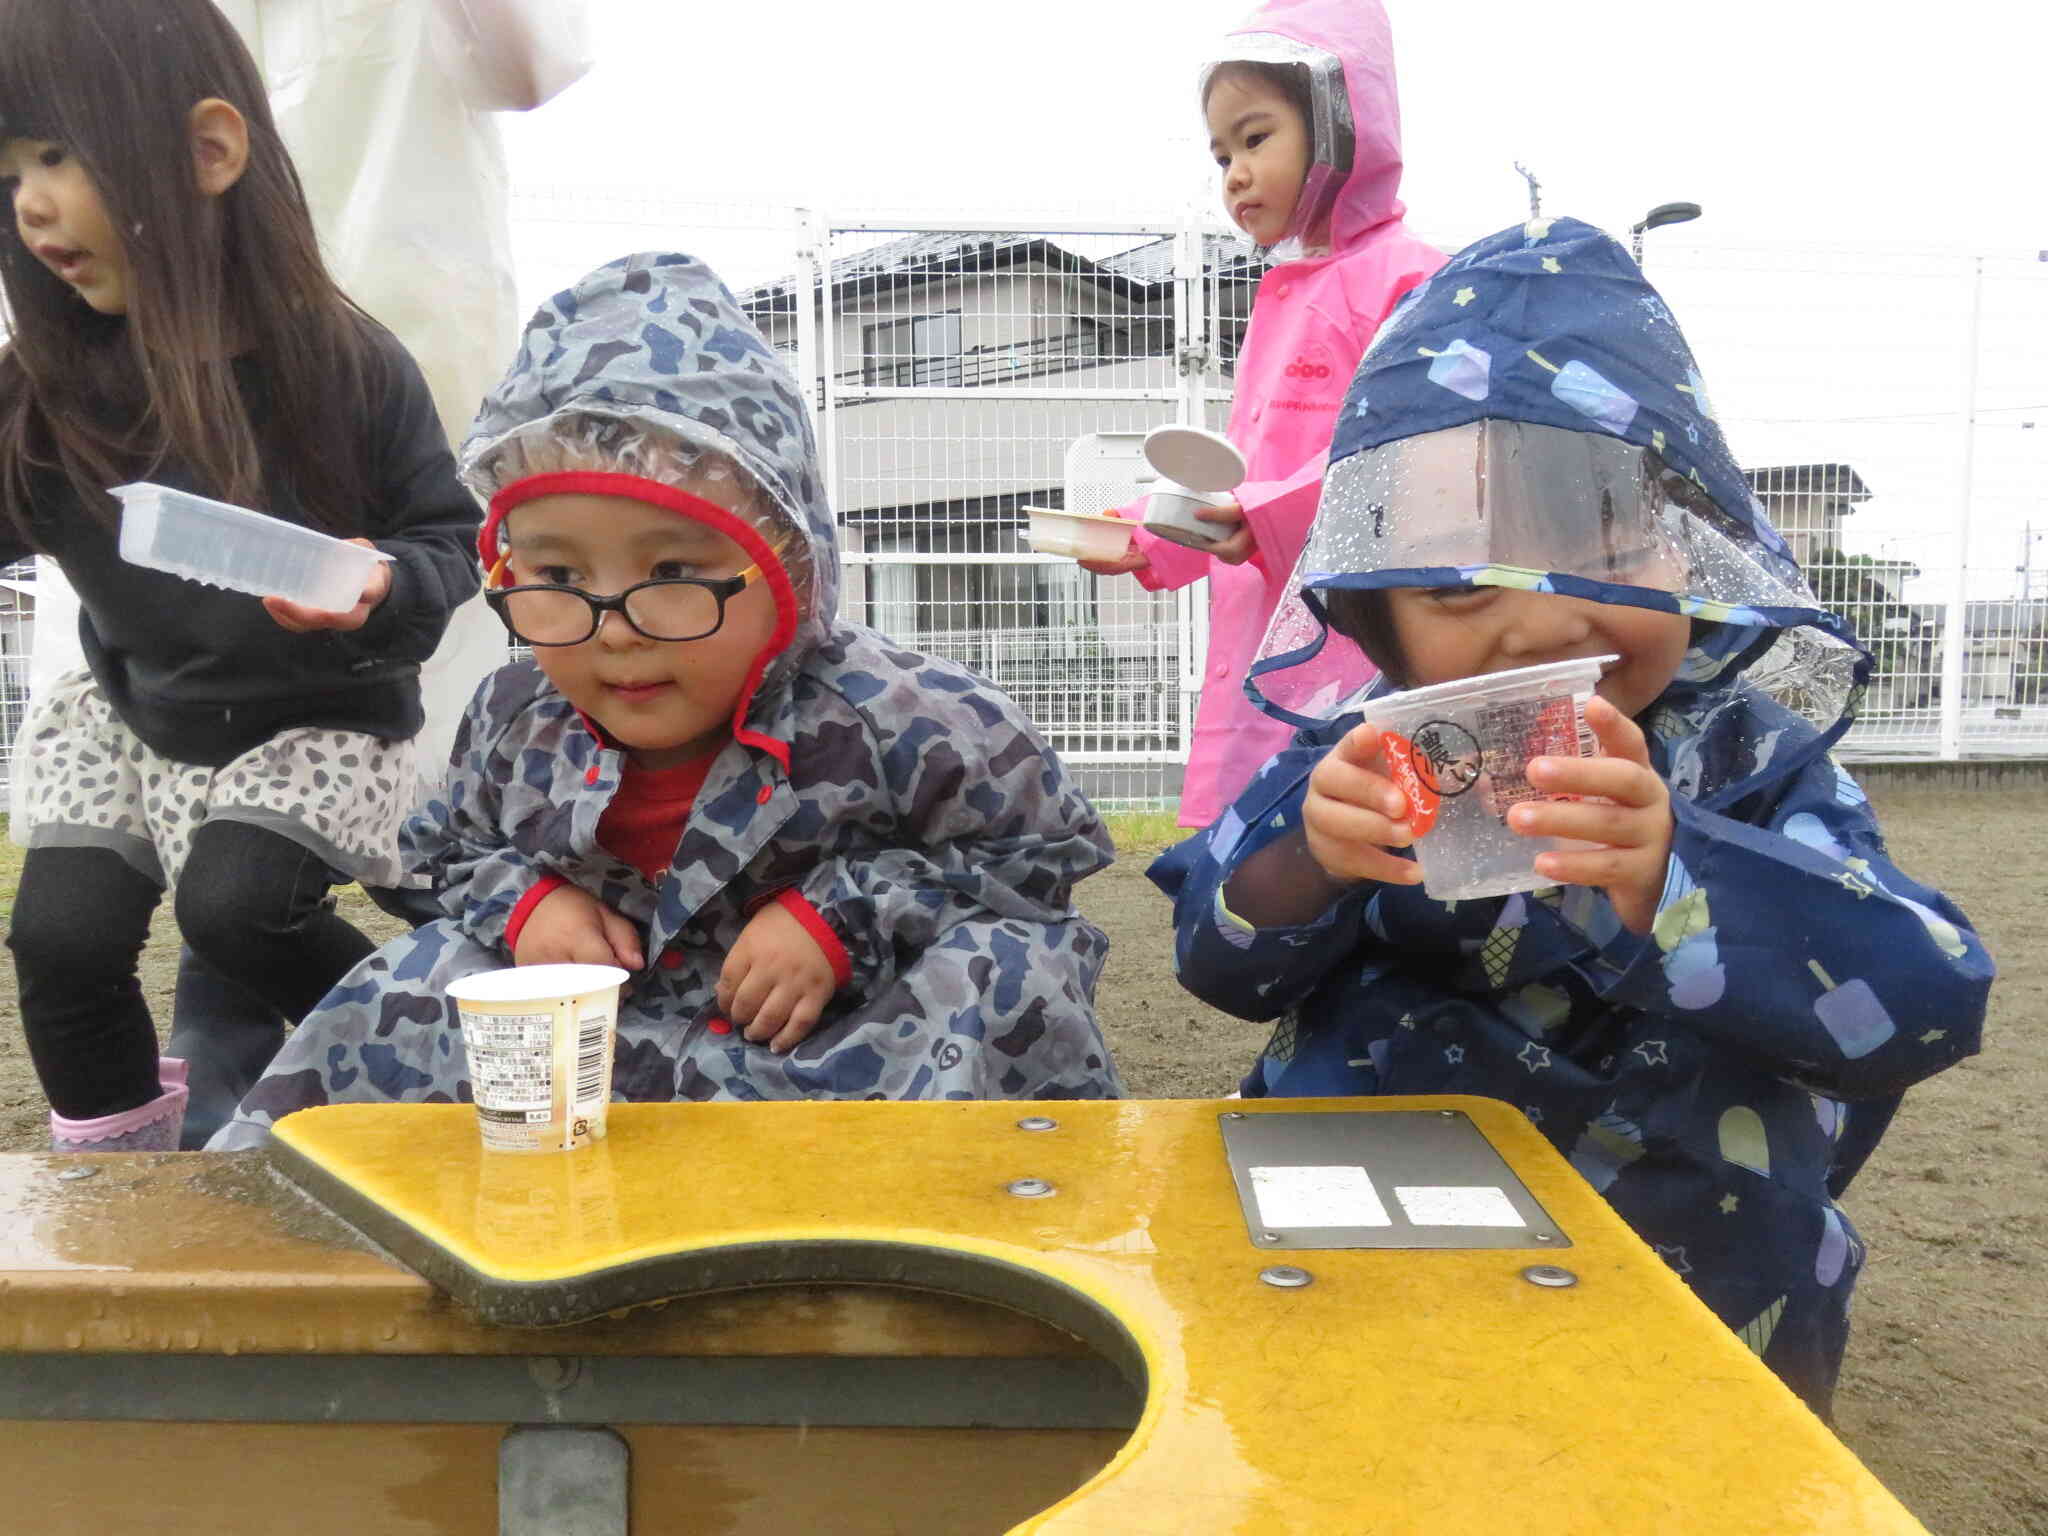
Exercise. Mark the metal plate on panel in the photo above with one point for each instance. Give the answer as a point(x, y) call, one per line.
point(554, 1481)
point(1379, 1179)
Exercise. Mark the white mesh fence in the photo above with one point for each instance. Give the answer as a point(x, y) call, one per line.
point(17, 648)
point(1886, 406)
point(1884, 402)
point(961, 367)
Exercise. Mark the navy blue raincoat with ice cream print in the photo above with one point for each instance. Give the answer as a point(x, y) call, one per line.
point(1707, 1077)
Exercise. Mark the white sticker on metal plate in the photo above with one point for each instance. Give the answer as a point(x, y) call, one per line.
point(1457, 1205)
point(1330, 1196)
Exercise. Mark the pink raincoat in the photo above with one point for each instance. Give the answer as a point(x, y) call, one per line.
point(1310, 325)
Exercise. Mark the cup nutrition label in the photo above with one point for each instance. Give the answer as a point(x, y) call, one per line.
point(511, 1061)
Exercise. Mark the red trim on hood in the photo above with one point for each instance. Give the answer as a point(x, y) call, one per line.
point(683, 504)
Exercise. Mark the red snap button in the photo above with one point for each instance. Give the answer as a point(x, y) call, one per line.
point(767, 793)
point(671, 959)
point(591, 776)
point(719, 1027)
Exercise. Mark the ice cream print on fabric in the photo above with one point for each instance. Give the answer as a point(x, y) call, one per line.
point(1528, 475)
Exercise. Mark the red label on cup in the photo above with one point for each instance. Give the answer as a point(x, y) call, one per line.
point(1422, 800)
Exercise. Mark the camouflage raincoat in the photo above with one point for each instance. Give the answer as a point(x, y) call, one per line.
point(899, 798)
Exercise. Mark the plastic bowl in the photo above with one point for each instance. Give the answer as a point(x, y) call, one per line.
point(228, 546)
point(1170, 514)
point(1080, 535)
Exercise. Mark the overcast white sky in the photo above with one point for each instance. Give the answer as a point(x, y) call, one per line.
point(1796, 123)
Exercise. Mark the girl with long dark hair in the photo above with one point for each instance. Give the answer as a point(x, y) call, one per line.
point(171, 320)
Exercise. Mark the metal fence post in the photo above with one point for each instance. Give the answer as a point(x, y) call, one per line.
point(1192, 321)
point(1195, 328)
point(1955, 638)
point(806, 233)
point(820, 238)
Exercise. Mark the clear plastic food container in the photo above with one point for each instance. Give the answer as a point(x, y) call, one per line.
point(228, 546)
point(1081, 535)
point(1459, 751)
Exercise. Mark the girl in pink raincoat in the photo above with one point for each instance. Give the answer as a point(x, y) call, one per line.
point(1305, 126)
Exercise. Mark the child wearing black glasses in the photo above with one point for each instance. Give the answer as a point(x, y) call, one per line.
point(835, 868)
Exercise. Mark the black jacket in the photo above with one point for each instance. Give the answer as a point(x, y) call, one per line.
point(201, 674)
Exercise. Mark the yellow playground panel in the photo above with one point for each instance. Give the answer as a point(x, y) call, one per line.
point(1142, 1318)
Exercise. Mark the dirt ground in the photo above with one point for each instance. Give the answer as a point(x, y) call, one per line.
point(1942, 1395)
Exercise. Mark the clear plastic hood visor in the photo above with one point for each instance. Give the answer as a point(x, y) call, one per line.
point(1332, 137)
point(1509, 496)
point(1515, 504)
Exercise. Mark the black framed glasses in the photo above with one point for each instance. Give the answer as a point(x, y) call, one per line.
point(666, 608)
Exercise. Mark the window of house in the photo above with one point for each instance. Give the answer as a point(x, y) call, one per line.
point(918, 349)
point(960, 610)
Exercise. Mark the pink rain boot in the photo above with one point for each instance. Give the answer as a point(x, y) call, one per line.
point(151, 1127)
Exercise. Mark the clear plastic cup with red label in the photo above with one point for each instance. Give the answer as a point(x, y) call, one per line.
point(1460, 753)
point(540, 1041)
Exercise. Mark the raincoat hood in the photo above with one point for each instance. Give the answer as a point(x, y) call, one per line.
point(646, 373)
point(1346, 49)
point(1532, 417)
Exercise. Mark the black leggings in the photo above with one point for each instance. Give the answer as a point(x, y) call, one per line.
point(251, 902)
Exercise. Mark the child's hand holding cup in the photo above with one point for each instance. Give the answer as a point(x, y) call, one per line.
point(1354, 813)
point(1458, 753)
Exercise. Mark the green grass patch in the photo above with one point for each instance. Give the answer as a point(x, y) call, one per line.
point(1143, 832)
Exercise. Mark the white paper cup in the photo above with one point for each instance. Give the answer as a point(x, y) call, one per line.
point(1170, 514)
point(1460, 752)
point(540, 1040)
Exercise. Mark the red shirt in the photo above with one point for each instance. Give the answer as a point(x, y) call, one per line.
point(644, 821)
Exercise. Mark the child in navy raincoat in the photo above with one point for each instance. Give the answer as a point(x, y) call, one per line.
point(835, 868)
point(1527, 470)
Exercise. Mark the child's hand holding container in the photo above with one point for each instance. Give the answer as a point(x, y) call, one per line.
point(1609, 815)
point(1459, 751)
point(314, 575)
point(1191, 504)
